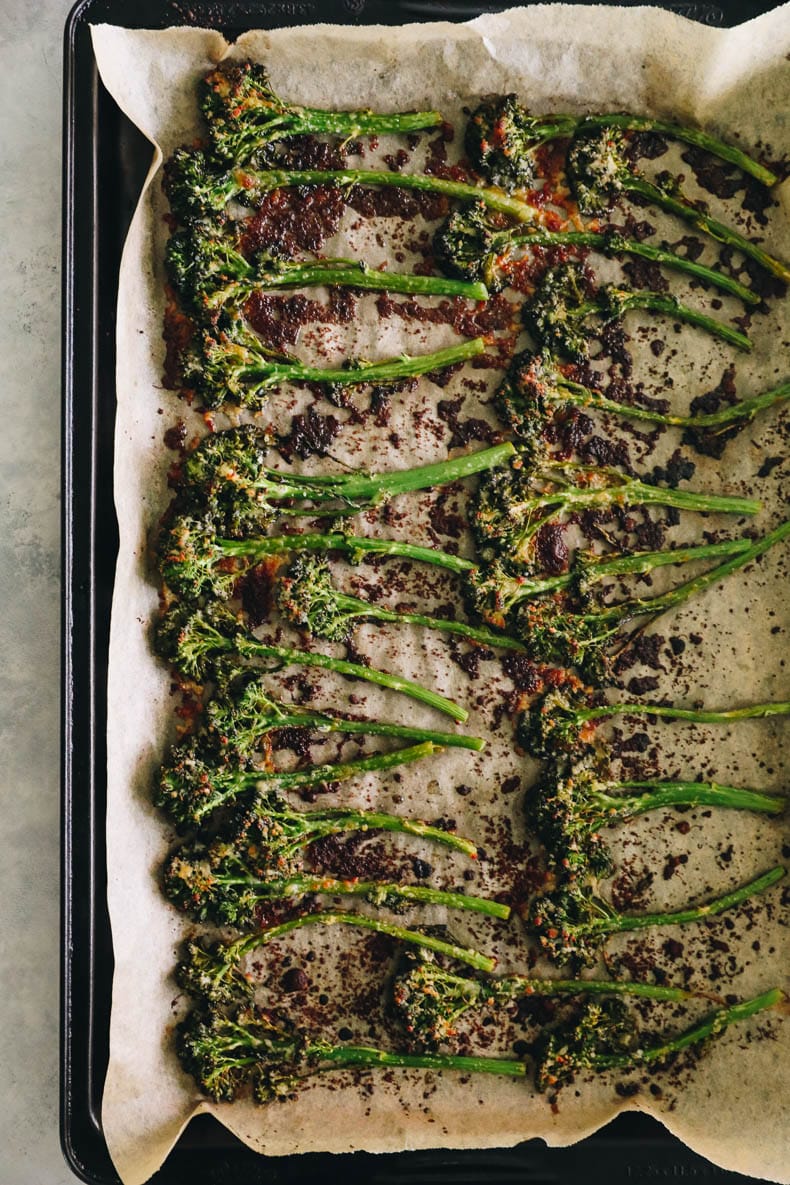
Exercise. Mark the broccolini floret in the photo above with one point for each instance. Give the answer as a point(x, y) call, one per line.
point(245, 116)
point(557, 311)
point(572, 923)
point(502, 136)
point(566, 810)
point(564, 721)
point(599, 172)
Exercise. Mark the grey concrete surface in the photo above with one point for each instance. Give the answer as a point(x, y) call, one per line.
point(30, 98)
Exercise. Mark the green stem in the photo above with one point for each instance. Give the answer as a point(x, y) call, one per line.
point(380, 893)
point(598, 567)
point(375, 488)
point(616, 244)
point(362, 921)
point(691, 588)
point(695, 715)
point(228, 789)
point(695, 136)
point(348, 124)
point(710, 226)
point(248, 180)
point(253, 648)
point(670, 306)
point(359, 608)
point(257, 549)
point(323, 722)
point(662, 794)
point(631, 492)
point(625, 922)
point(337, 820)
point(358, 275)
point(268, 374)
point(710, 1027)
point(364, 1056)
point(745, 410)
point(514, 986)
point(247, 737)
point(351, 124)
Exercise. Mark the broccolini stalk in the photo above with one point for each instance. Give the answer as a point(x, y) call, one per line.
point(599, 173)
point(227, 477)
point(231, 880)
point(255, 1050)
point(197, 192)
point(501, 138)
point(307, 597)
point(567, 810)
point(602, 1039)
point(214, 976)
point(571, 924)
point(195, 562)
point(246, 714)
point(556, 312)
point(511, 505)
point(194, 642)
point(234, 366)
point(498, 592)
point(210, 274)
point(198, 781)
point(269, 837)
point(469, 246)
point(534, 390)
point(430, 1001)
point(245, 116)
point(267, 1054)
point(561, 722)
point(553, 631)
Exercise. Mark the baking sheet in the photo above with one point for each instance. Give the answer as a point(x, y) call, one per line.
point(734, 82)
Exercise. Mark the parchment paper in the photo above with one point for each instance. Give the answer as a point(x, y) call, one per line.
point(732, 1107)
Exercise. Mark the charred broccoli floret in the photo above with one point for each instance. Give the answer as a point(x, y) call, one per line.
point(210, 275)
point(197, 194)
point(500, 138)
point(605, 1029)
point(308, 598)
point(603, 1038)
point(214, 975)
point(512, 504)
point(196, 561)
point(430, 1001)
point(576, 628)
point(196, 190)
point(227, 479)
point(244, 716)
point(256, 1050)
point(562, 301)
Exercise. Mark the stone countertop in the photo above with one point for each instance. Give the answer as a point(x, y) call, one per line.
point(30, 130)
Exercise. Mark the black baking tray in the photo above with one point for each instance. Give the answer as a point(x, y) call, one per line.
point(105, 162)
